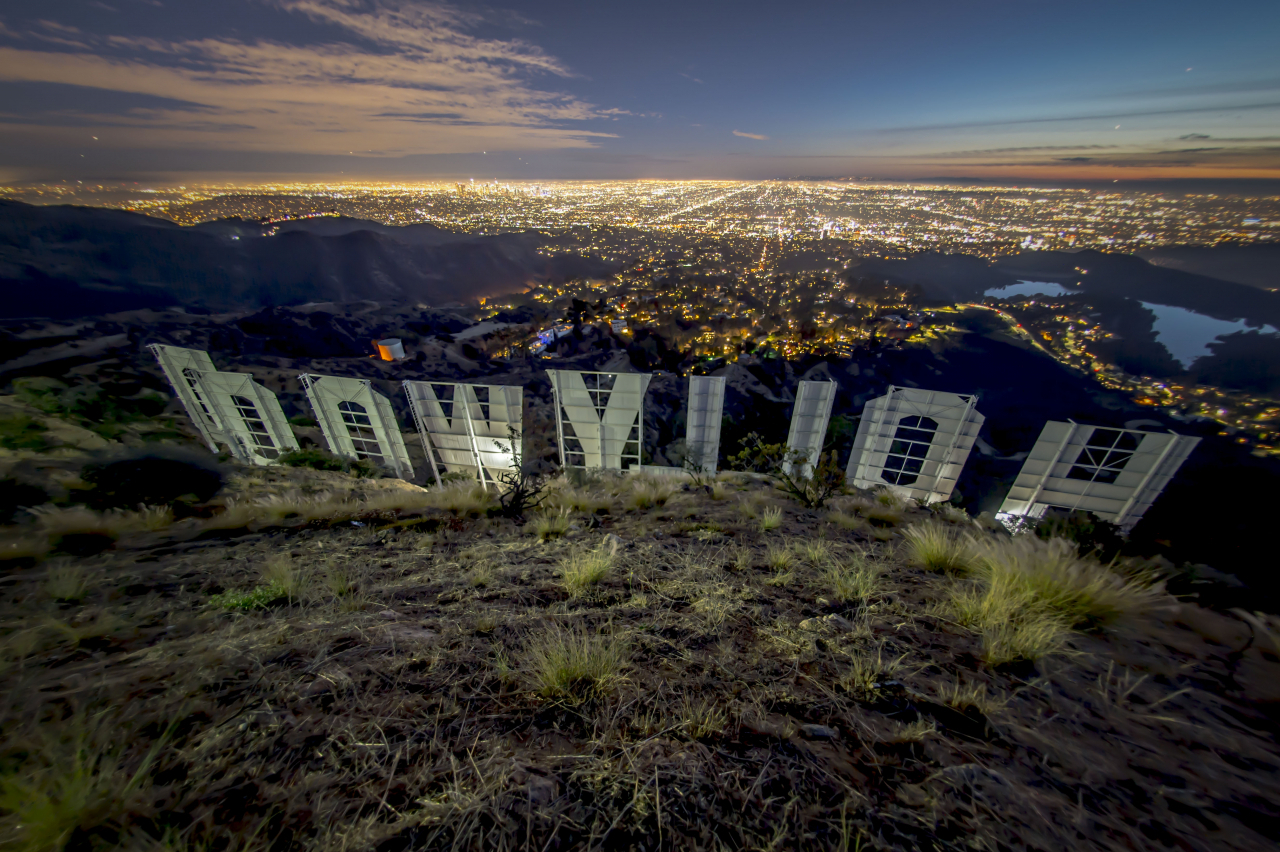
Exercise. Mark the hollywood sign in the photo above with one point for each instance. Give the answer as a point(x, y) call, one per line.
point(911, 441)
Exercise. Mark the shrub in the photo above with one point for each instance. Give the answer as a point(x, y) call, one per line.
point(15, 495)
point(95, 407)
point(939, 548)
point(314, 458)
point(318, 459)
point(574, 665)
point(1091, 536)
point(21, 432)
point(259, 598)
point(152, 477)
point(811, 484)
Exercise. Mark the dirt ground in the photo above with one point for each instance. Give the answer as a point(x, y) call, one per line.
point(385, 692)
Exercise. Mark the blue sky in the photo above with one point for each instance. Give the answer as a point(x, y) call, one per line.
point(398, 89)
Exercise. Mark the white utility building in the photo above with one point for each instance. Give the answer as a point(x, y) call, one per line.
point(230, 410)
point(914, 442)
point(357, 421)
point(809, 419)
point(599, 418)
point(1114, 473)
point(705, 411)
point(474, 430)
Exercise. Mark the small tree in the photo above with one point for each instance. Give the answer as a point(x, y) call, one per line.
point(694, 464)
point(523, 486)
point(811, 484)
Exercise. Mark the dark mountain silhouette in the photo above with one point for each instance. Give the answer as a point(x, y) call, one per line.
point(1255, 264)
point(964, 277)
point(73, 261)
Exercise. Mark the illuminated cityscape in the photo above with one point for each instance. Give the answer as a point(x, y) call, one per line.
point(840, 217)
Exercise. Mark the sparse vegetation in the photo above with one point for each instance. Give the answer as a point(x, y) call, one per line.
point(441, 681)
point(855, 577)
point(573, 664)
point(770, 518)
point(810, 481)
point(583, 569)
point(551, 525)
point(940, 548)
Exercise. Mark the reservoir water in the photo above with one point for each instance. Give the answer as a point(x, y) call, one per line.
point(1029, 288)
point(1187, 334)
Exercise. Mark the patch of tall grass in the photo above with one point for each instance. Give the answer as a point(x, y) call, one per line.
point(770, 518)
point(550, 525)
point(1027, 594)
point(854, 578)
point(940, 548)
point(583, 569)
point(574, 665)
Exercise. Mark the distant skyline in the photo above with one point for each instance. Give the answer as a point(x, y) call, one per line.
point(105, 90)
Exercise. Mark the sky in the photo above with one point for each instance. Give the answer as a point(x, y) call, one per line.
point(262, 90)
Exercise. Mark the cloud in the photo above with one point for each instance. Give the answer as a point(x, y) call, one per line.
point(389, 77)
point(1194, 136)
point(1025, 149)
point(688, 77)
point(749, 135)
point(1014, 122)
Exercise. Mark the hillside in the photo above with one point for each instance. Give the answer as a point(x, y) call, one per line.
point(330, 663)
point(62, 262)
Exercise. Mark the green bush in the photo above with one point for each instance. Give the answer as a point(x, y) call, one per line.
point(159, 476)
point(314, 458)
point(92, 406)
point(318, 459)
point(21, 432)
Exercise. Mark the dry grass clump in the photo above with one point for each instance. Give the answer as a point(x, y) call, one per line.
point(464, 499)
point(879, 514)
point(1082, 591)
point(816, 552)
point(868, 671)
point(66, 581)
point(1028, 594)
point(845, 521)
point(71, 781)
point(855, 578)
point(940, 548)
point(69, 520)
point(648, 493)
point(571, 499)
point(301, 508)
point(550, 525)
point(583, 569)
point(779, 557)
point(288, 577)
point(700, 718)
point(770, 518)
point(574, 665)
point(963, 696)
